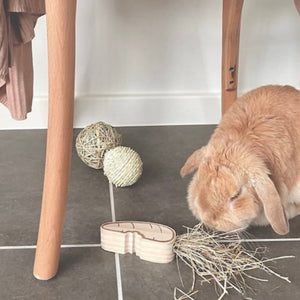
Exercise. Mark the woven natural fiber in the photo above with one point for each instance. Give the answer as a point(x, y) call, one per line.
point(122, 166)
point(94, 140)
point(224, 258)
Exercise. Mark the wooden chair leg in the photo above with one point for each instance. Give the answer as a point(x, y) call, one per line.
point(297, 3)
point(232, 11)
point(61, 63)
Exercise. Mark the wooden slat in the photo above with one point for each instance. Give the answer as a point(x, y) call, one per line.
point(232, 10)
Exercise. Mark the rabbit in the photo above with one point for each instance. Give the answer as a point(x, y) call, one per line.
point(249, 172)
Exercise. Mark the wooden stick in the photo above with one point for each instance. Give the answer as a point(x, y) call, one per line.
point(232, 11)
point(297, 4)
point(61, 61)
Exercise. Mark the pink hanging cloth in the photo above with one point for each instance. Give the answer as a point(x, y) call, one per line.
point(297, 3)
point(17, 22)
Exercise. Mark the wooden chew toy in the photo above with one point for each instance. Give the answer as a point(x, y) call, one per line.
point(150, 241)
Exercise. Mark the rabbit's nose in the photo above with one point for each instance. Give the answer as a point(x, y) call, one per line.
point(209, 224)
point(210, 220)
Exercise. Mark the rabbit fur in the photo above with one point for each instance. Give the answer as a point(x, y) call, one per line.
point(249, 172)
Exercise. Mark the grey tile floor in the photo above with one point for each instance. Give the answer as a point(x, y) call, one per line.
point(88, 272)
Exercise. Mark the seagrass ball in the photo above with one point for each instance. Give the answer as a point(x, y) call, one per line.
point(122, 166)
point(94, 140)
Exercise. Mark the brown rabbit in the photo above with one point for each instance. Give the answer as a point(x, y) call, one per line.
point(249, 173)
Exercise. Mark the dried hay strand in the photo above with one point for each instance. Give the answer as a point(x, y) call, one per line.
point(94, 140)
point(220, 258)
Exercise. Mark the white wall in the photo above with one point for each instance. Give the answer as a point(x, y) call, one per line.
point(149, 62)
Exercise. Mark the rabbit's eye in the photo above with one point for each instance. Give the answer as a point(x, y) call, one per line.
point(234, 197)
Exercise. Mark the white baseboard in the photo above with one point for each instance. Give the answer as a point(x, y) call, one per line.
point(127, 110)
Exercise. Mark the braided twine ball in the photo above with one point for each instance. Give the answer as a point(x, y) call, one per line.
point(122, 166)
point(94, 140)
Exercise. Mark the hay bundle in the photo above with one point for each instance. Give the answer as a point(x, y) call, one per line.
point(220, 258)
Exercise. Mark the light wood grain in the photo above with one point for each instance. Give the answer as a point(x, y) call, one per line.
point(61, 62)
point(150, 241)
point(297, 4)
point(232, 11)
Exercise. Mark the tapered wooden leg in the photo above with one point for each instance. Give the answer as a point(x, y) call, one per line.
point(232, 11)
point(61, 60)
point(297, 3)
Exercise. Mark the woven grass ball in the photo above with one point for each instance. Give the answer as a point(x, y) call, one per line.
point(94, 140)
point(122, 166)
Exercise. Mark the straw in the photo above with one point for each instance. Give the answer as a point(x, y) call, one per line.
point(220, 258)
point(94, 140)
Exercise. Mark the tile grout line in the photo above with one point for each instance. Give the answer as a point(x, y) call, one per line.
point(24, 247)
point(112, 202)
point(264, 240)
point(65, 246)
point(117, 258)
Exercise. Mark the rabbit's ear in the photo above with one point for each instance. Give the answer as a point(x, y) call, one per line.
point(192, 162)
point(271, 201)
